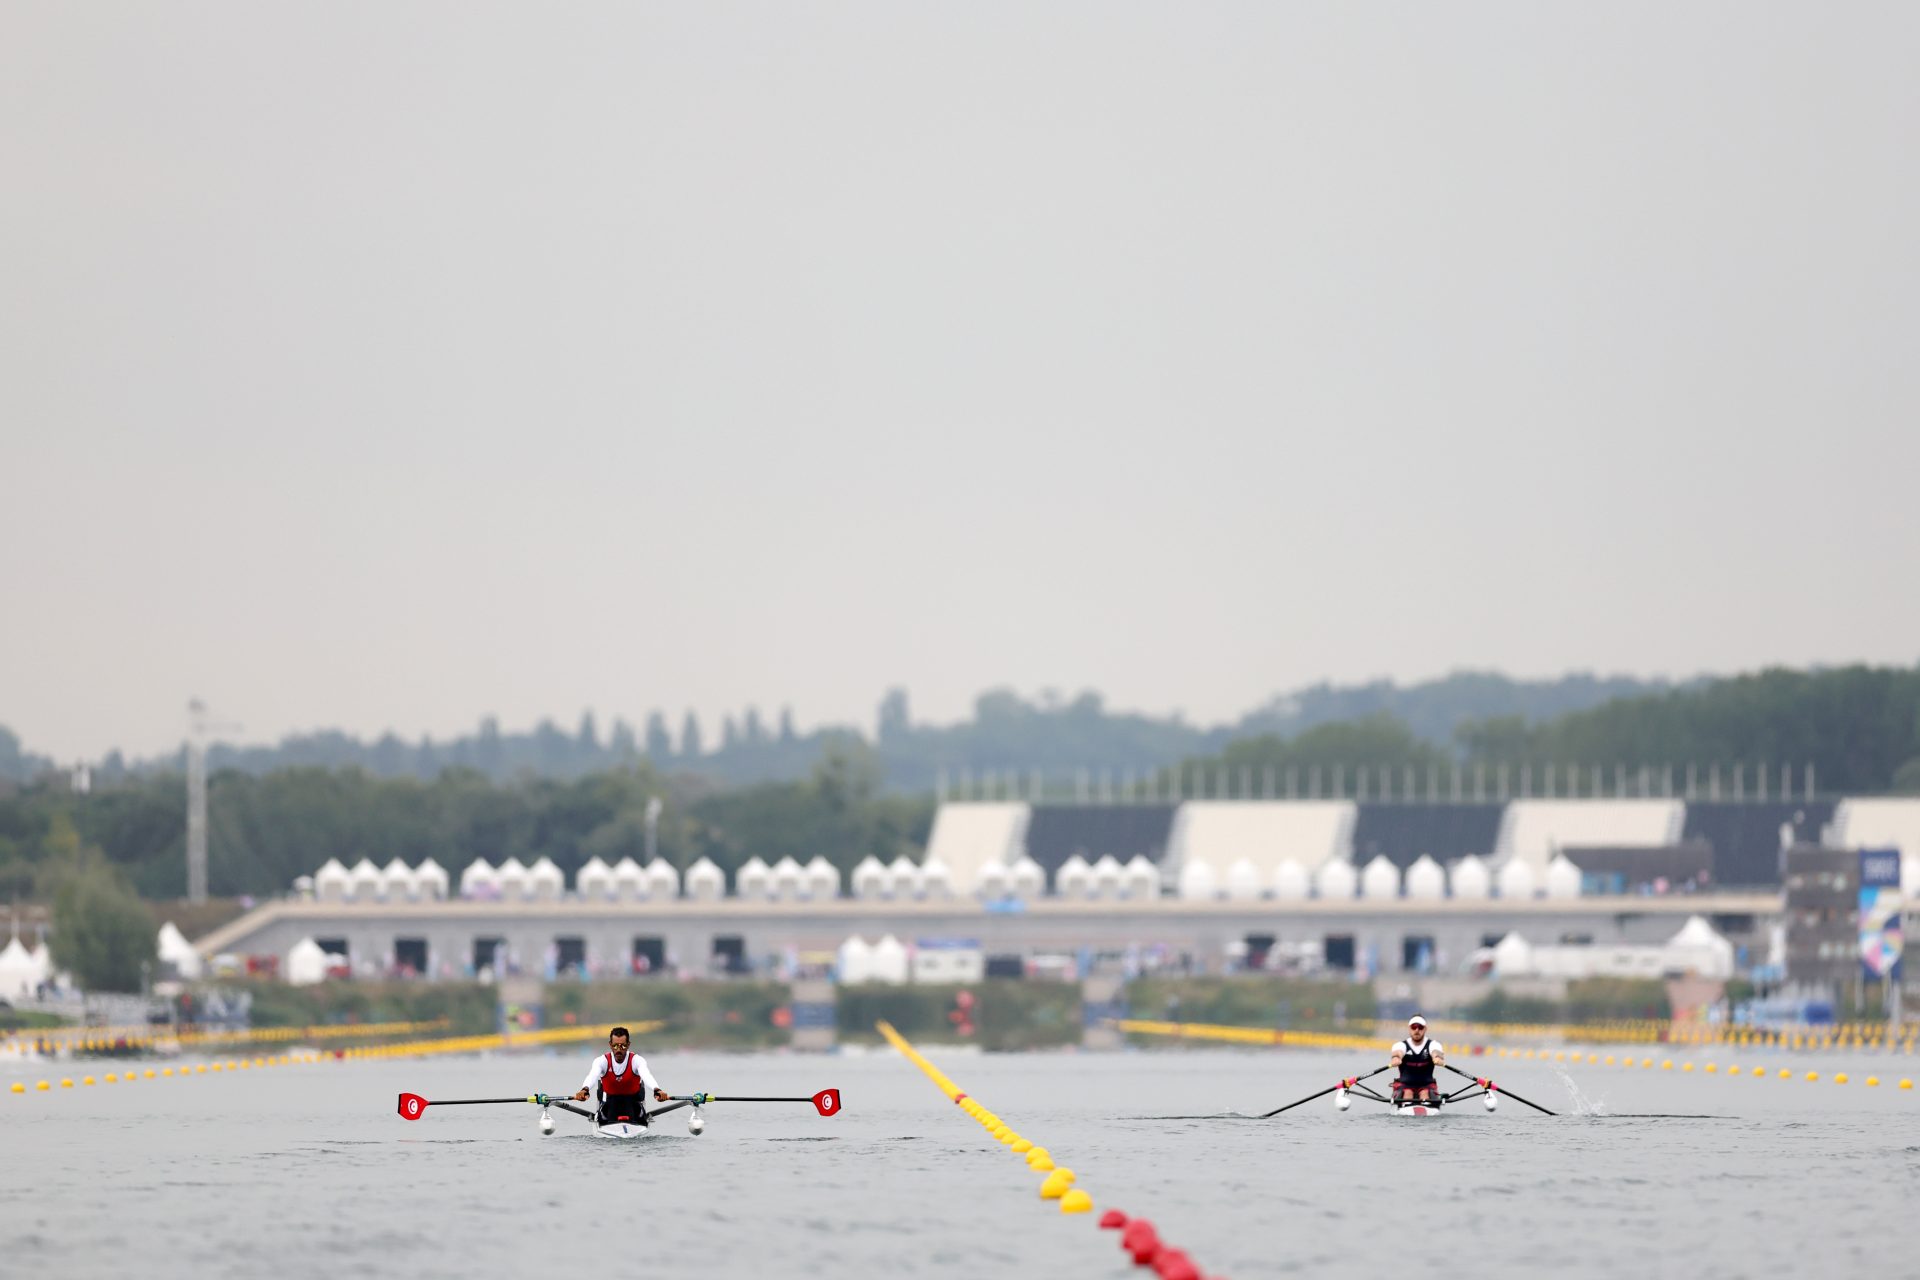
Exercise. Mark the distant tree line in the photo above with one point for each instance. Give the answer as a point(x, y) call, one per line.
point(264, 830)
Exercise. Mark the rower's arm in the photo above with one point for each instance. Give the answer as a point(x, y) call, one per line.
point(593, 1073)
point(646, 1075)
point(1393, 1059)
point(1439, 1056)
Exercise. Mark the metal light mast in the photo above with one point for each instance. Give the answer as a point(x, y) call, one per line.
point(199, 728)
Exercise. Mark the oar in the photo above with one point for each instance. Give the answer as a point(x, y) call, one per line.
point(1344, 1084)
point(826, 1102)
point(413, 1106)
point(1503, 1091)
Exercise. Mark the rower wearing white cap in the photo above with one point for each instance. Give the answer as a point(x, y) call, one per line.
point(1416, 1057)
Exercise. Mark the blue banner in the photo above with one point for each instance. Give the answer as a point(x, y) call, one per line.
point(1881, 938)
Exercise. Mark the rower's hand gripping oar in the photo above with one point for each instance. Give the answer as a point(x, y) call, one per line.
point(826, 1102)
point(1503, 1091)
point(1348, 1083)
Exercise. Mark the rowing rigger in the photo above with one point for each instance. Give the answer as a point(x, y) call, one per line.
point(1351, 1087)
point(413, 1107)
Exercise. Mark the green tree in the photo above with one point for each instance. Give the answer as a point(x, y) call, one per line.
point(102, 935)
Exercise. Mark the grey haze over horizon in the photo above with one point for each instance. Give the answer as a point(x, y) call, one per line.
point(380, 366)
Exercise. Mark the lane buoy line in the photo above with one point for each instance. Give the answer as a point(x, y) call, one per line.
point(1138, 1237)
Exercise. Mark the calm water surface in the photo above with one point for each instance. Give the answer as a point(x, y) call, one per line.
point(307, 1171)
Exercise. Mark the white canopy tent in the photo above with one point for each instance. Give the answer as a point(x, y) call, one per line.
point(1073, 878)
point(906, 878)
point(1198, 883)
point(332, 883)
point(1106, 875)
point(1140, 880)
point(855, 961)
point(936, 880)
point(364, 883)
point(1380, 879)
point(705, 881)
point(594, 882)
point(479, 880)
point(1512, 957)
point(177, 953)
point(823, 880)
point(397, 882)
point(431, 880)
point(1471, 879)
point(990, 885)
point(1291, 883)
point(1515, 880)
point(1336, 879)
point(1425, 881)
point(545, 881)
point(1563, 878)
point(891, 963)
point(511, 875)
point(871, 880)
point(306, 963)
point(19, 975)
point(626, 881)
point(1026, 880)
point(753, 882)
point(1243, 880)
point(789, 880)
point(659, 881)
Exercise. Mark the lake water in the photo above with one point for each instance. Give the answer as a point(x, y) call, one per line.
point(306, 1170)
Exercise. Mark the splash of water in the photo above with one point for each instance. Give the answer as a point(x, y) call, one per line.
point(1582, 1104)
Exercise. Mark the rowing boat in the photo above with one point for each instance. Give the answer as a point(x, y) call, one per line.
point(1347, 1088)
point(413, 1106)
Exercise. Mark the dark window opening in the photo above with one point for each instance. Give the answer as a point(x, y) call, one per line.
point(410, 955)
point(649, 955)
point(1339, 951)
point(729, 953)
point(570, 955)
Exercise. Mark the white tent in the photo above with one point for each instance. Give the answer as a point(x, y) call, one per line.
point(626, 882)
point(1073, 879)
point(512, 878)
point(365, 884)
point(545, 881)
point(594, 881)
point(906, 877)
point(936, 879)
point(331, 883)
point(1335, 879)
point(1243, 880)
point(19, 975)
point(431, 880)
point(753, 881)
point(823, 880)
point(1425, 880)
point(789, 880)
point(1380, 879)
point(890, 961)
point(1563, 878)
point(1512, 957)
point(1291, 883)
point(659, 881)
point(397, 883)
point(1198, 883)
point(176, 952)
point(1140, 881)
point(479, 880)
point(991, 884)
point(705, 881)
point(1027, 879)
point(871, 880)
point(855, 961)
point(1698, 948)
point(1515, 880)
point(1106, 875)
point(43, 966)
point(306, 963)
point(1471, 878)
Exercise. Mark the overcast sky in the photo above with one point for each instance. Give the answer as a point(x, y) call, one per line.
point(383, 365)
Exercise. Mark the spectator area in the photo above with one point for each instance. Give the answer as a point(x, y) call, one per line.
point(1093, 831)
point(1891, 822)
point(1401, 833)
point(1220, 833)
point(1745, 835)
point(1534, 830)
point(968, 837)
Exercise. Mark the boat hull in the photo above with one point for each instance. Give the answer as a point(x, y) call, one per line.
point(1414, 1110)
point(620, 1129)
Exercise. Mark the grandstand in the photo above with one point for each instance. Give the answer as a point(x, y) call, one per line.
point(1401, 833)
point(1891, 822)
point(1122, 832)
point(1221, 833)
point(970, 837)
point(1746, 835)
point(1533, 831)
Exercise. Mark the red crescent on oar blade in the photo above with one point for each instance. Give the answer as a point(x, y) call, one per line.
point(412, 1106)
point(827, 1102)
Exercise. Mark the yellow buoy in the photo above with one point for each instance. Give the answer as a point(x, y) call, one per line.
point(112, 1078)
point(1785, 1074)
point(1076, 1201)
point(1872, 1081)
point(1055, 1184)
point(1647, 1063)
point(1840, 1077)
point(18, 1087)
point(1759, 1071)
point(66, 1082)
point(1686, 1066)
point(1905, 1083)
point(1811, 1076)
point(1022, 1145)
point(87, 1080)
point(1609, 1060)
point(42, 1087)
point(1666, 1064)
point(149, 1073)
point(1711, 1068)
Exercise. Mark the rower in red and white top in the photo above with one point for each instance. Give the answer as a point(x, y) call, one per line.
point(1416, 1057)
point(621, 1079)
